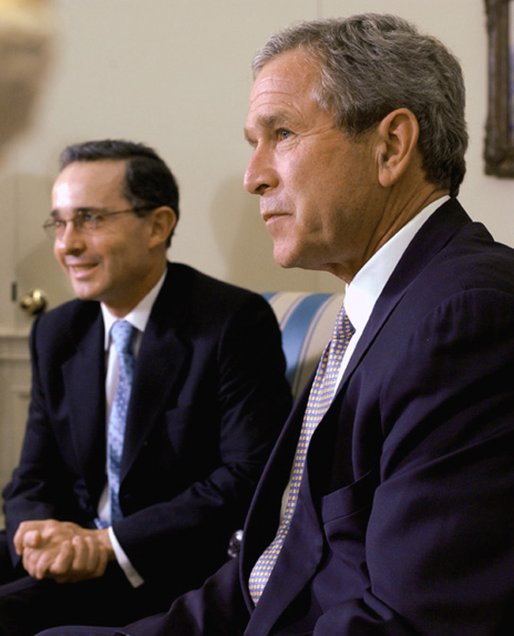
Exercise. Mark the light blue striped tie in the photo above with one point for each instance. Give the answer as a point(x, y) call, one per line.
point(122, 333)
point(320, 397)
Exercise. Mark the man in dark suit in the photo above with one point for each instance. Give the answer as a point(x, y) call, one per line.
point(403, 514)
point(208, 399)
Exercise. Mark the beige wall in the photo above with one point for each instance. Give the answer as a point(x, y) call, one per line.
point(175, 74)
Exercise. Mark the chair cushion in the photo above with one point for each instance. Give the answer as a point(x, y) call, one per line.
point(306, 320)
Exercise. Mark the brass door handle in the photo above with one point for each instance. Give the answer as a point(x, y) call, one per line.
point(34, 302)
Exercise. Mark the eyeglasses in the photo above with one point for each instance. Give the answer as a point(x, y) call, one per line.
point(85, 220)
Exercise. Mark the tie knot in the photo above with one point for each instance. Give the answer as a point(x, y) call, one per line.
point(122, 333)
point(343, 328)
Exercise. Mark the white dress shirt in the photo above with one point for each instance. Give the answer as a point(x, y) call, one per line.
point(363, 291)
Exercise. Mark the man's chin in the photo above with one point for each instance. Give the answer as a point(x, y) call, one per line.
point(287, 259)
point(83, 292)
point(284, 257)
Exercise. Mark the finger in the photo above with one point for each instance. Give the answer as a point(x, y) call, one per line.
point(81, 548)
point(19, 534)
point(75, 562)
point(29, 560)
point(53, 530)
point(89, 559)
point(44, 559)
point(62, 563)
point(18, 540)
point(32, 539)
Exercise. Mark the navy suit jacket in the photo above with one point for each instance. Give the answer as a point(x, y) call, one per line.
point(208, 400)
point(405, 519)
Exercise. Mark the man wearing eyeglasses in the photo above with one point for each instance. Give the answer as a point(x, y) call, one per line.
point(107, 531)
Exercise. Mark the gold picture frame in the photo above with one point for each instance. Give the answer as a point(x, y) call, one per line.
point(499, 140)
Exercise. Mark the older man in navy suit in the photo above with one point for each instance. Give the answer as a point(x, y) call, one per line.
point(398, 519)
point(108, 531)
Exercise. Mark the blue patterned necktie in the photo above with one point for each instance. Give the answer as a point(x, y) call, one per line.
point(320, 397)
point(122, 333)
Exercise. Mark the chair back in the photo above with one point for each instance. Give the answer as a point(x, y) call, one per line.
point(306, 320)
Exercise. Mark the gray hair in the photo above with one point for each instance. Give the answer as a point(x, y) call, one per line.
point(372, 64)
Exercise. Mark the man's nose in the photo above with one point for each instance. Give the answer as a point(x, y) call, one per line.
point(260, 174)
point(70, 239)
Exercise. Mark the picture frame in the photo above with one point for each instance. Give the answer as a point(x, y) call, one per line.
point(499, 137)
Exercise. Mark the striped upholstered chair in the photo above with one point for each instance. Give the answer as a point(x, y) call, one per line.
point(306, 320)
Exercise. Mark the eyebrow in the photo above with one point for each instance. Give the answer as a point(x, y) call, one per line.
point(267, 122)
point(80, 210)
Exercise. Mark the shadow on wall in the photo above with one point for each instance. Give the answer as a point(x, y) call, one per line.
point(246, 246)
point(34, 264)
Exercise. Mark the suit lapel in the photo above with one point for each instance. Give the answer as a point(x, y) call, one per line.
point(261, 526)
point(159, 368)
point(84, 379)
point(296, 565)
point(430, 239)
point(263, 513)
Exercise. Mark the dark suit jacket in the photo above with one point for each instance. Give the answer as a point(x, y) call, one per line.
point(208, 400)
point(405, 520)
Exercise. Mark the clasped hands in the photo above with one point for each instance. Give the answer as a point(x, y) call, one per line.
point(62, 550)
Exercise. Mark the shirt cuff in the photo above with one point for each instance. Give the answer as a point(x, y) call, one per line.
point(123, 561)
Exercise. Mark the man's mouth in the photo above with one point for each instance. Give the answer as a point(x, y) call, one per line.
point(80, 269)
point(270, 215)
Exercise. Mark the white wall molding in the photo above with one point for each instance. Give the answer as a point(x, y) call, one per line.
point(14, 398)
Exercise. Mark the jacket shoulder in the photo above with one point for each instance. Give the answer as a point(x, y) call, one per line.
point(68, 313)
point(207, 290)
point(59, 327)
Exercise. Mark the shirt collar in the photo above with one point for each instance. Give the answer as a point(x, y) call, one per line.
point(367, 285)
point(138, 317)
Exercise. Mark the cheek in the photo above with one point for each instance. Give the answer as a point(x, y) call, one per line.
point(108, 251)
point(124, 261)
point(59, 255)
point(313, 191)
point(311, 208)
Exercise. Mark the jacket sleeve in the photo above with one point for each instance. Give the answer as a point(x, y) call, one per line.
point(42, 486)
point(217, 609)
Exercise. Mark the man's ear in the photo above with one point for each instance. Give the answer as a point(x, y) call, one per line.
point(164, 220)
point(396, 150)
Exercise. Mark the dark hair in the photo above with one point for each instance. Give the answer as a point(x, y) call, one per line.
point(148, 180)
point(372, 64)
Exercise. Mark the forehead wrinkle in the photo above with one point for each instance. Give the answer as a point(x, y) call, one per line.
point(271, 120)
point(270, 110)
point(286, 75)
point(284, 94)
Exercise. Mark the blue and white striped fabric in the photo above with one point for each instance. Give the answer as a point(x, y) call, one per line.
point(306, 320)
